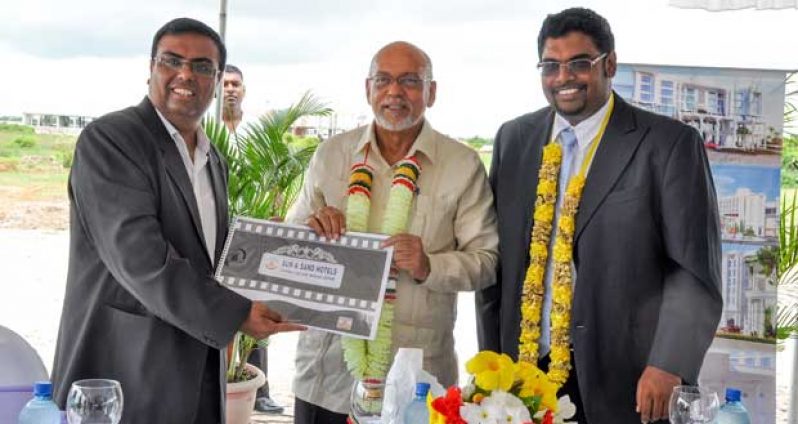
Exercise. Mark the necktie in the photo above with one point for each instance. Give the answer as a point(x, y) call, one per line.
point(567, 139)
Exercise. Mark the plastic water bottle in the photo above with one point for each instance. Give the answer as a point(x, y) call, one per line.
point(41, 409)
point(416, 412)
point(733, 411)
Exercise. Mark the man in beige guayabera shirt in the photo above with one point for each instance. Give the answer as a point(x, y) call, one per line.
point(450, 245)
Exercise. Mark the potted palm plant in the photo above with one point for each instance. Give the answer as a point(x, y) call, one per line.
point(266, 168)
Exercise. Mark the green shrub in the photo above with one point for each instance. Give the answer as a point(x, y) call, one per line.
point(66, 158)
point(25, 141)
point(24, 129)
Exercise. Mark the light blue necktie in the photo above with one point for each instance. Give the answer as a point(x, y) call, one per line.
point(567, 140)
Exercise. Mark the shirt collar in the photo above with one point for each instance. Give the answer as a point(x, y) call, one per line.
point(586, 130)
point(425, 142)
point(203, 143)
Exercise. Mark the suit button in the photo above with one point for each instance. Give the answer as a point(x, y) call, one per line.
point(580, 327)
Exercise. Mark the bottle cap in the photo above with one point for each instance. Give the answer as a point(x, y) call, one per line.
point(733, 395)
point(422, 389)
point(42, 388)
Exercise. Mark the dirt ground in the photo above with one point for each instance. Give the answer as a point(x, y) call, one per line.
point(25, 208)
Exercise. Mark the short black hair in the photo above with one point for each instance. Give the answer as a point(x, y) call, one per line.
point(190, 26)
point(233, 69)
point(578, 19)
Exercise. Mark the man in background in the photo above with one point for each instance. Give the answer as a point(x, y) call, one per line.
point(234, 92)
point(233, 117)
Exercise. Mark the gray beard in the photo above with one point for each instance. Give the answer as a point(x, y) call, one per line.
point(402, 125)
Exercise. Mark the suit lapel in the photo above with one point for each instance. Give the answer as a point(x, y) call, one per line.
point(534, 135)
point(174, 163)
point(618, 145)
point(219, 181)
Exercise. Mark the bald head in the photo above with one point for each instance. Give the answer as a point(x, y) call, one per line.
point(399, 87)
point(403, 48)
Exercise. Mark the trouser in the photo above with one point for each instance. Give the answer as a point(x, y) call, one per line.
point(260, 358)
point(308, 413)
point(210, 393)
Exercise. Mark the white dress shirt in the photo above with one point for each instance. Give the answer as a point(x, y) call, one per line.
point(200, 176)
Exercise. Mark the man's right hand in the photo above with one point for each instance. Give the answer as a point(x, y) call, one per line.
point(262, 322)
point(328, 222)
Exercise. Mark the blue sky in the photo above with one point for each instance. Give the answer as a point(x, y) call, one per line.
point(759, 179)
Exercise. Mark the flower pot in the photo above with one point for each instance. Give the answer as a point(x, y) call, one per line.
point(240, 397)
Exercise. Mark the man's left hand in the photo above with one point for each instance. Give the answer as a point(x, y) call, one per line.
point(654, 392)
point(408, 255)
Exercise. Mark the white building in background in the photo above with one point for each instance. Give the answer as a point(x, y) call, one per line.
point(728, 116)
point(747, 292)
point(56, 123)
point(745, 212)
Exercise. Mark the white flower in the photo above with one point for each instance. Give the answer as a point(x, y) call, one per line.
point(565, 409)
point(506, 408)
point(474, 413)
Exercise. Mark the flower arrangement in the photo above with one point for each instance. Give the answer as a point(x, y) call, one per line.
point(502, 391)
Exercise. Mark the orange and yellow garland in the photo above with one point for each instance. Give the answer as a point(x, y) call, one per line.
point(562, 252)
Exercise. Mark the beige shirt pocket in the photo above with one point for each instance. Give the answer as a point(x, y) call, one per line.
point(433, 221)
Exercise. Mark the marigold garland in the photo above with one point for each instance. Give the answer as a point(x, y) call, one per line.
point(562, 255)
point(372, 358)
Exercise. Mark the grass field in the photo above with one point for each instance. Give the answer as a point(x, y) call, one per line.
point(34, 166)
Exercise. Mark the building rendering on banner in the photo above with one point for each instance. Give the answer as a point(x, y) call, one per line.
point(728, 116)
point(748, 214)
point(749, 295)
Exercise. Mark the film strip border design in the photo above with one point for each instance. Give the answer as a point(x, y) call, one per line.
point(249, 225)
point(301, 294)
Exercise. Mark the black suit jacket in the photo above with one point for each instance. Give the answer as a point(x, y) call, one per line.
point(141, 303)
point(647, 254)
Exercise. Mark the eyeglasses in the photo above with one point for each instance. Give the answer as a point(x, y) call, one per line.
point(410, 82)
point(201, 67)
point(577, 66)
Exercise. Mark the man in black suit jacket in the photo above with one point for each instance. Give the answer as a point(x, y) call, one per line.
point(646, 256)
point(148, 217)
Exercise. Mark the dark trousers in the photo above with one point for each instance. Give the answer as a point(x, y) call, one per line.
point(308, 413)
point(570, 388)
point(210, 393)
point(260, 358)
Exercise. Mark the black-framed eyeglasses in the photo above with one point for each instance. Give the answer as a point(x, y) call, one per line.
point(410, 82)
point(201, 67)
point(577, 66)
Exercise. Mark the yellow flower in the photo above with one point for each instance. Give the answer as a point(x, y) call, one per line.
point(561, 294)
point(536, 383)
point(562, 251)
point(552, 153)
point(491, 370)
point(530, 310)
point(538, 249)
point(560, 354)
point(566, 224)
point(535, 273)
point(547, 187)
point(575, 186)
point(544, 213)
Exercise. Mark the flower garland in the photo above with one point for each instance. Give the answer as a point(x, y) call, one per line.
point(371, 358)
point(562, 253)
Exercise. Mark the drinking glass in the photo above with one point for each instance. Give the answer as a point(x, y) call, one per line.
point(95, 401)
point(693, 405)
